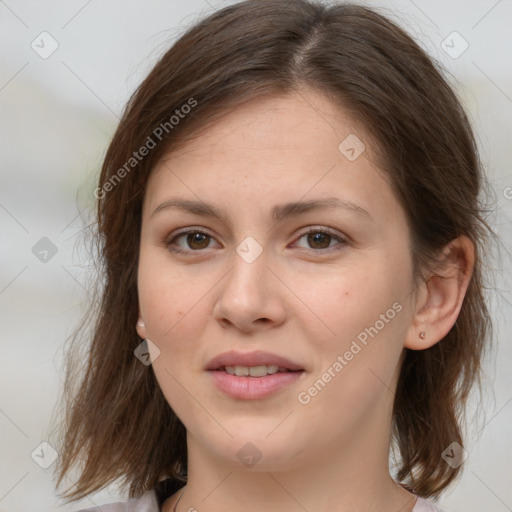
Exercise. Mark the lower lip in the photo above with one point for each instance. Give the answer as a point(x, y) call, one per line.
point(253, 388)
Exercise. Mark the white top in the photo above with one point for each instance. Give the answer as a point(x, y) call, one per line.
point(148, 503)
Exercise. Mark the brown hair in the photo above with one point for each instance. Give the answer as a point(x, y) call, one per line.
point(117, 420)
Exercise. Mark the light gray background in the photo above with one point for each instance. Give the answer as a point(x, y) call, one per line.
point(57, 115)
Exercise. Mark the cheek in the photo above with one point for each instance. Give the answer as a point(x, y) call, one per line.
point(168, 304)
point(345, 302)
point(364, 322)
point(169, 310)
point(364, 306)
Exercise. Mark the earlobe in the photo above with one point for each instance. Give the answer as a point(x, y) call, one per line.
point(442, 295)
point(141, 328)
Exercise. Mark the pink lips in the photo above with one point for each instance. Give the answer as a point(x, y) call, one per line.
point(252, 388)
point(257, 358)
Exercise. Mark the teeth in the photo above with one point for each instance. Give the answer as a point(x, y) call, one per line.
point(253, 371)
point(258, 371)
point(241, 371)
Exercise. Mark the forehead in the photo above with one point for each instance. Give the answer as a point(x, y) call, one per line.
point(304, 121)
point(301, 145)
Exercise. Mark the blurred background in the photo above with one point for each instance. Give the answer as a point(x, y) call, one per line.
point(67, 69)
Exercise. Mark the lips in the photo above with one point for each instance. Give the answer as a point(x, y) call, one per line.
point(253, 375)
point(251, 359)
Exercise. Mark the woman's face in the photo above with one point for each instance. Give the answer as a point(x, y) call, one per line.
point(231, 282)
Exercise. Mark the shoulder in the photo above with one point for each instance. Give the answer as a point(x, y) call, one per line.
point(145, 503)
point(422, 505)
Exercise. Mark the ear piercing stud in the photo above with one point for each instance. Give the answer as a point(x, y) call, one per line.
point(422, 335)
point(140, 322)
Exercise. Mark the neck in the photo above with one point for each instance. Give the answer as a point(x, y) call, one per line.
point(354, 477)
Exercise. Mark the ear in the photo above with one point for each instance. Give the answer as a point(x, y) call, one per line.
point(440, 298)
point(141, 328)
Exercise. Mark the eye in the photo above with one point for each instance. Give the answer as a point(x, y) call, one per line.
point(190, 240)
point(319, 239)
point(195, 240)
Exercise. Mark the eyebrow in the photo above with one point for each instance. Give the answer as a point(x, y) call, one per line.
point(279, 212)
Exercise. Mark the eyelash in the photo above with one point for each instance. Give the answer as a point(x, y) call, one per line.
point(342, 241)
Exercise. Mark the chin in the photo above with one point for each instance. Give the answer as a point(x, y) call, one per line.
point(257, 449)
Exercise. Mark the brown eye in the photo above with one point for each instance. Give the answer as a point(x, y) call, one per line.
point(319, 240)
point(197, 240)
point(190, 241)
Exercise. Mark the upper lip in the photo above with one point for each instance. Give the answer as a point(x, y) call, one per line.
point(257, 358)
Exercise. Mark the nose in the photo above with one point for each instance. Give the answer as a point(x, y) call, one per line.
point(250, 297)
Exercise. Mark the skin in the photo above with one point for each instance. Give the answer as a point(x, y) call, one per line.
point(306, 305)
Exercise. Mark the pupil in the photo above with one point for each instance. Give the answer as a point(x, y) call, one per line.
point(197, 238)
point(319, 238)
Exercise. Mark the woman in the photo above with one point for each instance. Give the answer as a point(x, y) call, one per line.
point(290, 228)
